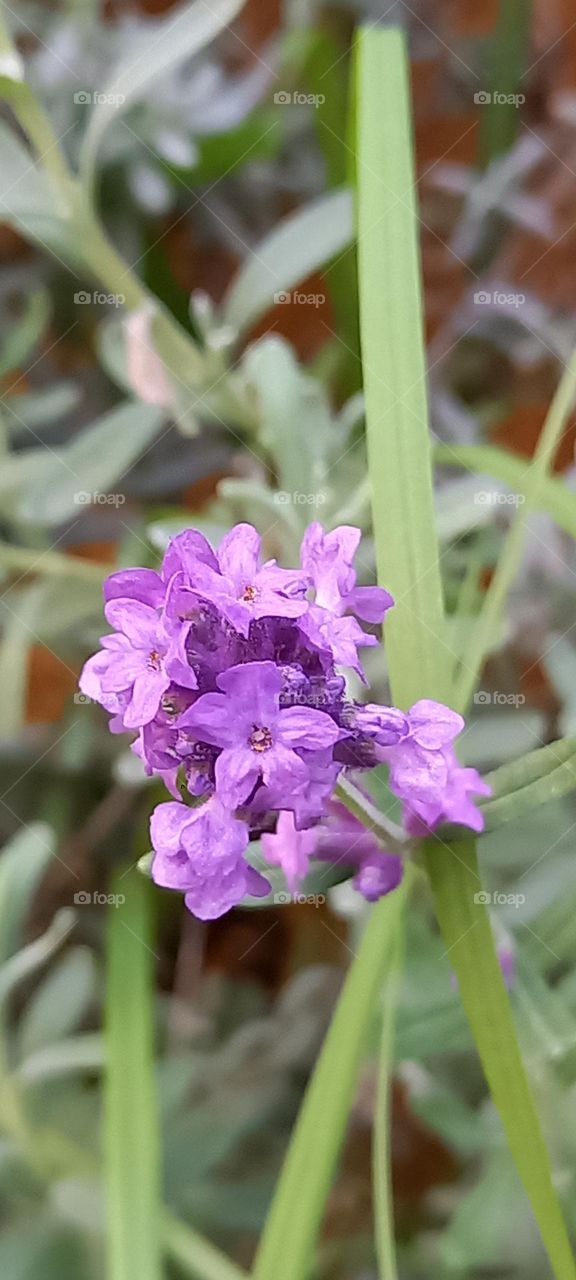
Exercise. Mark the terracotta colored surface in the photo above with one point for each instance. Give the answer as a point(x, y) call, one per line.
point(307, 325)
point(50, 684)
point(520, 430)
point(100, 552)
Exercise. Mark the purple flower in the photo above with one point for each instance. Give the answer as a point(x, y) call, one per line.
point(327, 559)
point(200, 852)
point(340, 839)
point(185, 553)
point(258, 739)
point(135, 584)
point(227, 671)
point(290, 849)
point(244, 590)
point(378, 874)
point(450, 801)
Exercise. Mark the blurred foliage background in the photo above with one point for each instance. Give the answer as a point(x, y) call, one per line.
point(179, 346)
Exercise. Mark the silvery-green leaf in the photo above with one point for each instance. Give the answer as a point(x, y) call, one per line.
point(38, 409)
point(87, 469)
point(27, 199)
point(60, 1002)
point(23, 336)
point(69, 1056)
point(30, 958)
point(294, 425)
point(19, 632)
point(23, 862)
point(300, 244)
point(158, 49)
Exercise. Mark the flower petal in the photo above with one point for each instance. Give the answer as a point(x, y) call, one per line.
point(304, 727)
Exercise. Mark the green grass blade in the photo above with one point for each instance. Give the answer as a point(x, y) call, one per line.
point(504, 64)
point(132, 1145)
point(399, 450)
point(536, 478)
point(197, 1257)
point(293, 1222)
point(381, 1164)
point(395, 372)
point(468, 936)
point(552, 496)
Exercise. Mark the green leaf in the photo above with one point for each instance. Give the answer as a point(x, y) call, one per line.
point(18, 633)
point(25, 962)
point(23, 862)
point(60, 1002)
point(552, 496)
point(298, 246)
point(86, 469)
point(28, 201)
point(468, 937)
point(26, 333)
point(70, 1056)
point(395, 373)
point(506, 51)
point(195, 1255)
point(381, 1156)
point(537, 474)
point(295, 426)
point(132, 1149)
point(526, 783)
point(160, 48)
point(292, 1225)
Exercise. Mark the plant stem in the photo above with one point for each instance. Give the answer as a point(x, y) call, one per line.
point(292, 1224)
point(381, 1171)
point(489, 619)
point(196, 1255)
point(371, 817)
point(52, 563)
point(507, 47)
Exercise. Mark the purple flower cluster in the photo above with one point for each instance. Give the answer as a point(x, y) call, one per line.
point(229, 671)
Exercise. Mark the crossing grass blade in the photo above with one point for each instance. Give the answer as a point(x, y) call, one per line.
point(131, 1138)
point(467, 931)
point(293, 1222)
